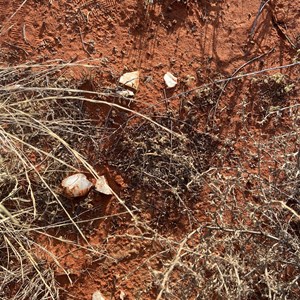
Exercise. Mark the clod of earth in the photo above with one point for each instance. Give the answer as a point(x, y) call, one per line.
point(102, 186)
point(131, 79)
point(170, 80)
point(76, 185)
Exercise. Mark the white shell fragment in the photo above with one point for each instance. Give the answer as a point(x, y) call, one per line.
point(170, 80)
point(122, 295)
point(131, 79)
point(76, 185)
point(97, 296)
point(126, 93)
point(102, 186)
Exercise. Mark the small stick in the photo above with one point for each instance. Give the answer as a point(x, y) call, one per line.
point(280, 30)
point(232, 76)
point(9, 19)
point(84, 5)
point(24, 34)
point(83, 43)
point(16, 47)
point(261, 7)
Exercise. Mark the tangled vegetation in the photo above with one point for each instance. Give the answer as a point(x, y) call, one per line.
point(221, 214)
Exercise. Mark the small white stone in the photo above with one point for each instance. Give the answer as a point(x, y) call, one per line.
point(131, 79)
point(102, 186)
point(126, 93)
point(98, 296)
point(122, 295)
point(76, 185)
point(170, 80)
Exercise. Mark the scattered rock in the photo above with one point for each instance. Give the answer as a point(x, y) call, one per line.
point(76, 185)
point(170, 80)
point(126, 93)
point(102, 186)
point(122, 295)
point(130, 79)
point(98, 296)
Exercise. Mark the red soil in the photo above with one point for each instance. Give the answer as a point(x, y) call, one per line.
point(198, 42)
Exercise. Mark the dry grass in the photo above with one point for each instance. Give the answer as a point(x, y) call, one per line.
point(38, 141)
point(223, 214)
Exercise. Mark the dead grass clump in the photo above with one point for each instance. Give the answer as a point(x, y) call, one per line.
point(22, 275)
point(41, 133)
point(202, 217)
point(248, 247)
point(272, 93)
point(207, 97)
point(165, 169)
